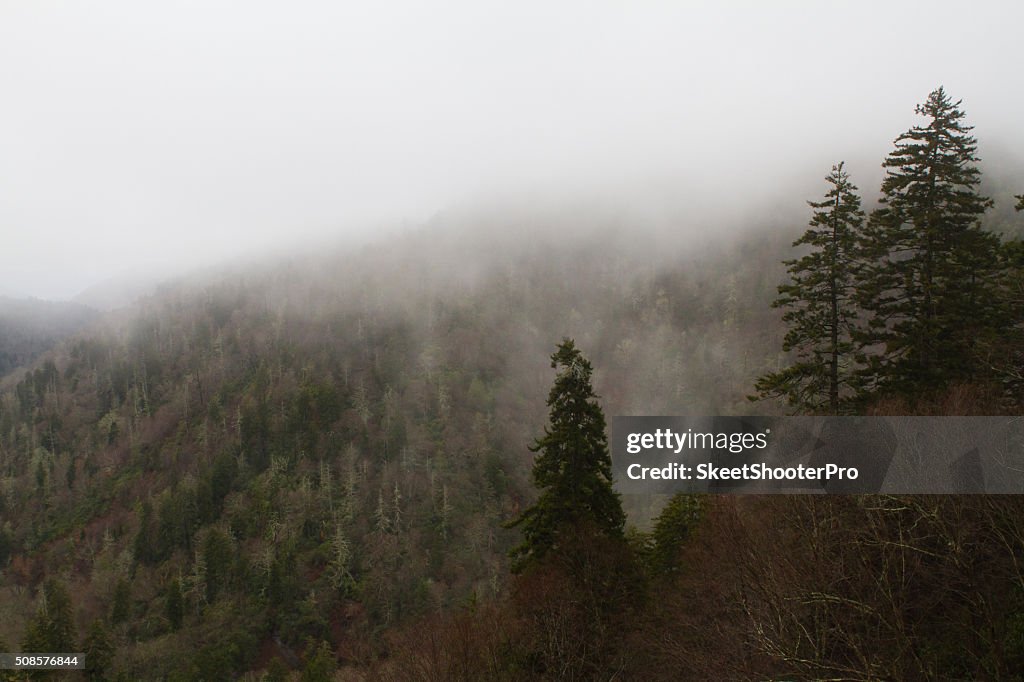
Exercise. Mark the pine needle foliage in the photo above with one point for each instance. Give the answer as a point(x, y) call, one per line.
point(572, 468)
point(820, 305)
point(930, 285)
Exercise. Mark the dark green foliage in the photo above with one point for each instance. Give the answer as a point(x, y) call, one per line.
point(6, 546)
point(145, 544)
point(177, 519)
point(174, 604)
point(320, 666)
point(121, 609)
point(222, 476)
point(52, 629)
point(674, 525)
point(316, 407)
point(98, 648)
point(69, 475)
point(214, 662)
point(930, 282)
point(281, 585)
point(40, 477)
point(238, 405)
point(254, 432)
point(573, 469)
point(218, 557)
point(819, 300)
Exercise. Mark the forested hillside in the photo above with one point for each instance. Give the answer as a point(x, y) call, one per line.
point(356, 292)
point(326, 448)
point(322, 463)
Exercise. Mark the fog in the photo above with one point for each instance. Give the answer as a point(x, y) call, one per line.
point(144, 138)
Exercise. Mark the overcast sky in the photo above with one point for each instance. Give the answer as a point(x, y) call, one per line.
point(142, 135)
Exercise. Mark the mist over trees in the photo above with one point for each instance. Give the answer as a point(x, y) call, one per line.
point(308, 468)
point(930, 287)
point(914, 301)
point(30, 327)
point(821, 304)
point(326, 450)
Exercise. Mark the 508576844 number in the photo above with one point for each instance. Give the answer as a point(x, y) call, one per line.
point(41, 661)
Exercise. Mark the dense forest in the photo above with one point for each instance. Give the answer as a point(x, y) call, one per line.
point(328, 448)
point(342, 466)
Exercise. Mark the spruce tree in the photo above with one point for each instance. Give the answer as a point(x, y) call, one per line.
point(820, 304)
point(930, 283)
point(52, 630)
point(672, 528)
point(572, 469)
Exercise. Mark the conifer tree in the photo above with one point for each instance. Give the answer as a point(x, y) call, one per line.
point(320, 666)
point(931, 275)
point(52, 630)
point(99, 651)
point(573, 467)
point(674, 525)
point(121, 608)
point(820, 304)
point(174, 604)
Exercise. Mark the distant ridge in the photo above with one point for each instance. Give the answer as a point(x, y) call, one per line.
point(118, 292)
point(30, 327)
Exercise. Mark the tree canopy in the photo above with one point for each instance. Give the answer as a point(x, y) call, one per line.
point(819, 302)
point(573, 467)
point(930, 283)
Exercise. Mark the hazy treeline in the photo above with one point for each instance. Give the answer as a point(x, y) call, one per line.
point(915, 309)
point(913, 297)
point(326, 448)
point(309, 465)
point(29, 327)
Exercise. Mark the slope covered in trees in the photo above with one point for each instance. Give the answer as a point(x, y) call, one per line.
point(906, 316)
point(328, 448)
point(310, 465)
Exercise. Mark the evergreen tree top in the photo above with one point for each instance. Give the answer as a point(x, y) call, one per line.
point(572, 398)
point(819, 305)
point(930, 269)
point(573, 468)
point(842, 209)
point(939, 156)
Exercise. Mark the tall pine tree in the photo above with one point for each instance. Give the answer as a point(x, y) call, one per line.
point(820, 307)
point(932, 270)
point(573, 469)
